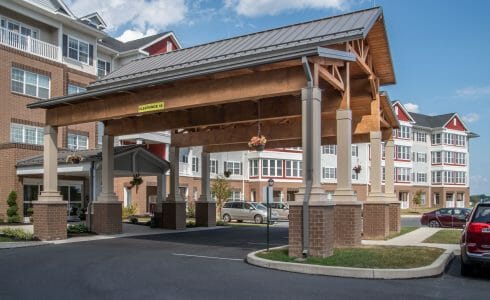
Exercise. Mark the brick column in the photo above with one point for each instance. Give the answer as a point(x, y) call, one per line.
point(107, 209)
point(205, 206)
point(50, 210)
point(320, 210)
point(394, 214)
point(347, 213)
point(174, 207)
point(376, 223)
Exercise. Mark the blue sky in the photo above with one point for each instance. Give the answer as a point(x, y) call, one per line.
point(439, 48)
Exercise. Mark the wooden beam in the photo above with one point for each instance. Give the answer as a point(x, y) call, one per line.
point(362, 62)
point(330, 78)
point(287, 81)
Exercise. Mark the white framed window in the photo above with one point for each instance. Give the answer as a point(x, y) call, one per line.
point(195, 164)
point(234, 167)
point(103, 67)
point(404, 132)
point(460, 140)
point(78, 50)
point(383, 173)
point(75, 89)
point(421, 177)
point(253, 167)
point(421, 157)
point(402, 174)
point(25, 134)
point(272, 167)
point(355, 151)
point(460, 177)
point(448, 177)
point(355, 176)
point(18, 27)
point(329, 149)
point(293, 168)
point(213, 166)
point(329, 173)
point(235, 195)
point(185, 158)
point(436, 157)
point(403, 152)
point(421, 137)
point(449, 139)
point(77, 141)
point(29, 83)
point(448, 157)
point(460, 158)
point(436, 177)
point(436, 139)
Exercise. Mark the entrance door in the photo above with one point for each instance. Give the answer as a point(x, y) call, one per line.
point(403, 197)
point(460, 200)
point(450, 200)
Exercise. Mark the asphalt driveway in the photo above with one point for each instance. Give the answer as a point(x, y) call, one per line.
point(197, 265)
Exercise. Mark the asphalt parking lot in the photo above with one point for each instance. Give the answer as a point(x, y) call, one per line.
point(197, 265)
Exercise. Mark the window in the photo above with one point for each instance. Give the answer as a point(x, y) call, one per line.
point(170, 46)
point(355, 150)
point(421, 137)
point(75, 89)
point(29, 83)
point(213, 166)
point(329, 173)
point(403, 152)
point(355, 176)
point(459, 177)
point(20, 28)
point(78, 50)
point(77, 141)
point(383, 176)
point(448, 157)
point(100, 132)
point(436, 139)
point(293, 168)
point(272, 167)
point(404, 132)
point(383, 150)
point(235, 195)
point(195, 164)
point(253, 167)
point(103, 68)
point(421, 157)
point(234, 167)
point(436, 177)
point(24, 134)
point(436, 157)
point(329, 149)
point(185, 158)
point(460, 158)
point(448, 176)
point(460, 140)
point(449, 139)
point(402, 174)
point(421, 177)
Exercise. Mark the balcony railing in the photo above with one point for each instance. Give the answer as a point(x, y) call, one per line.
point(28, 44)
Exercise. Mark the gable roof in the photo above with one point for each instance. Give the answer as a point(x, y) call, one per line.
point(315, 33)
point(119, 46)
point(432, 121)
point(95, 15)
point(54, 6)
point(405, 111)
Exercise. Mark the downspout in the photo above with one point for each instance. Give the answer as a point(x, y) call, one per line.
point(92, 194)
point(308, 157)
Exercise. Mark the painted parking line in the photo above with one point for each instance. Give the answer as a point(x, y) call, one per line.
point(208, 257)
point(250, 243)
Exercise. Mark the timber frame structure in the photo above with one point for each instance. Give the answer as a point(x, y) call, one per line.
point(214, 95)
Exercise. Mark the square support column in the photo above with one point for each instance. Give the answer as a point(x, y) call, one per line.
point(376, 223)
point(320, 223)
point(174, 207)
point(395, 222)
point(161, 193)
point(50, 209)
point(107, 208)
point(347, 213)
point(205, 206)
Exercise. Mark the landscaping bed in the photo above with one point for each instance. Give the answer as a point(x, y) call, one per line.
point(445, 236)
point(15, 235)
point(373, 257)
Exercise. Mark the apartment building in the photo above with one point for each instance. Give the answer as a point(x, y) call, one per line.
point(46, 51)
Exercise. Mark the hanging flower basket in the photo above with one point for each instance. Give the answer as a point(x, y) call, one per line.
point(357, 169)
point(136, 182)
point(74, 158)
point(257, 142)
point(227, 173)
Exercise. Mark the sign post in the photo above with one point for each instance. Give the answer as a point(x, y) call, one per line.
point(269, 191)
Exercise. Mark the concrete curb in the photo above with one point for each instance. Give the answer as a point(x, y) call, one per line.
point(11, 245)
point(434, 269)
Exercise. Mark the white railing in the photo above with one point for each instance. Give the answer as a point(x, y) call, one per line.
point(28, 44)
point(185, 169)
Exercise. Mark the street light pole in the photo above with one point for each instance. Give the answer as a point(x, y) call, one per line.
point(269, 187)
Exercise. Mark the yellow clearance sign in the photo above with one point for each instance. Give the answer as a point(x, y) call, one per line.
point(151, 107)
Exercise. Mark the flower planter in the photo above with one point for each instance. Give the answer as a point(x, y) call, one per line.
point(259, 148)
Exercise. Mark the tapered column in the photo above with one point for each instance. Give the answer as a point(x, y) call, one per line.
point(205, 206)
point(50, 209)
point(348, 222)
point(395, 222)
point(319, 224)
point(107, 208)
point(375, 139)
point(174, 207)
point(161, 193)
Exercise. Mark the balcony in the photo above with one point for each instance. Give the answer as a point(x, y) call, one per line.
point(28, 44)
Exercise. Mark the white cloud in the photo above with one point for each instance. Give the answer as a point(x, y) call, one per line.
point(471, 117)
point(473, 91)
point(253, 8)
point(479, 184)
point(129, 35)
point(138, 15)
point(411, 107)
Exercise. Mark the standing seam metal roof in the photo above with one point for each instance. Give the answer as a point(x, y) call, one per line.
point(323, 31)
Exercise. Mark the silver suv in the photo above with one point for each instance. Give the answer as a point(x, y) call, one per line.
point(246, 211)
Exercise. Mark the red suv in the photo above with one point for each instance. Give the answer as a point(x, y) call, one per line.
point(475, 240)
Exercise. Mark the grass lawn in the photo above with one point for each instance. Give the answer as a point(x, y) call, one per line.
point(376, 257)
point(416, 211)
point(6, 239)
point(403, 230)
point(445, 236)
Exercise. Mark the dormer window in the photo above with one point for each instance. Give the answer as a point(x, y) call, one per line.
point(455, 122)
point(169, 46)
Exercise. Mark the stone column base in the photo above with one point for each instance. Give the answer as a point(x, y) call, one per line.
point(376, 220)
point(395, 223)
point(321, 225)
point(50, 220)
point(107, 217)
point(158, 215)
point(205, 214)
point(174, 215)
point(347, 223)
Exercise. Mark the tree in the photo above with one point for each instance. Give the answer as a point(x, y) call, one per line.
point(417, 199)
point(221, 190)
point(13, 216)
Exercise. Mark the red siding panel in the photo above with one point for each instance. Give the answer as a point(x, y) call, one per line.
point(160, 47)
point(157, 149)
point(455, 124)
point(401, 114)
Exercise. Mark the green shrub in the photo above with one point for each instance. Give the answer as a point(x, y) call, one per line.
point(190, 224)
point(17, 234)
point(78, 228)
point(221, 223)
point(30, 211)
point(13, 216)
point(133, 220)
point(129, 211)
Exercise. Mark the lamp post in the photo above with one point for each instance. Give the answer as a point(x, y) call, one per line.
point(270, 183)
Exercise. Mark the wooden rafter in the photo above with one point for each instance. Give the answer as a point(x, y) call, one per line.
point(331, 74)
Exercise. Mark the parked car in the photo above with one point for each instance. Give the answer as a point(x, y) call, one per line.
point(246, 211)
point(281, 208)
point(475, 239)
point(446, 217)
